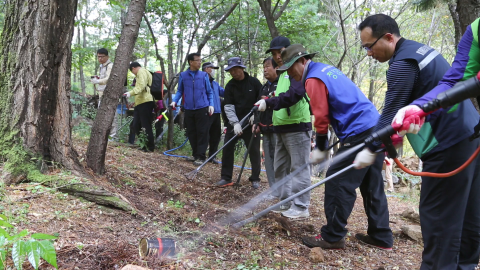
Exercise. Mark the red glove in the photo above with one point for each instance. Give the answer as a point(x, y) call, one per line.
point(407, 120)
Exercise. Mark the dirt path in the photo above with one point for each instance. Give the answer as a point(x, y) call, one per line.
point(96, 237)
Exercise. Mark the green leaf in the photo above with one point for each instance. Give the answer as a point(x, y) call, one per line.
point(4, 233)
point(5, 224)
point(3, 217)
point(18, 254)
point(43, 236)
point(33, 250)
point(48, 253)
point(3, 258)
point(17, 236)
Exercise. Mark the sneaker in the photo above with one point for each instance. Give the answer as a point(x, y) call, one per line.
point(296, 214)
point(198, 162)
point(282, 208)
point(318, 241)
point(224, 183)
point(190, 158)
point(214, 161)
point(270, 197)
point(255, 184)
point(366, 239)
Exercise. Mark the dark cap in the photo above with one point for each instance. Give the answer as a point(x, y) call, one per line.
point(208, 64)
point(277, 43)
point(292, 54)
point(235, 62)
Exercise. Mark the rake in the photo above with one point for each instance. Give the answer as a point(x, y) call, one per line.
point(191, 175)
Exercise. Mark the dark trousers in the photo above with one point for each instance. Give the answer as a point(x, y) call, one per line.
point(142, 118)
point(450, 210)
point(229, 153)
point(340, 196)
point(197, 123)
point(215, 133)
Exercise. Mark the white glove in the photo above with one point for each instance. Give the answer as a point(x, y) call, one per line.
point(252, 118)
point(126, 94)
point(262, 106)
point(318, 156)
point(95, 81)
point(406, 120)
point(237, 129)
point(173, 105)
point(364, 159)
point(210, 110)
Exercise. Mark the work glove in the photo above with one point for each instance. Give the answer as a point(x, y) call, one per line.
point(173, 105)
point(407, 121)
point(364, 159)
point(95, 81)
point(126, 94)
point(237, 129)
point(318, 156)
point(210, 110)
point(252, 118)
point(262, 106)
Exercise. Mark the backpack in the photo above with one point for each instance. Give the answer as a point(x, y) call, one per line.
point(156, 89)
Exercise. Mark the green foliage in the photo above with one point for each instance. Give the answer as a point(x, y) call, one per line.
point(20, 246)
point(177, 204)
point(142, 139)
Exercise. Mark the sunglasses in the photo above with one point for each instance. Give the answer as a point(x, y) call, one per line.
point(369, 48)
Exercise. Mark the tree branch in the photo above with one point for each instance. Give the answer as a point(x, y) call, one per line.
point(216, 26)
point(154, 39)
point(282, 9)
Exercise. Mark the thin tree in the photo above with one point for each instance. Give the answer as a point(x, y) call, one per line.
point(271, 15)
point(97, 146)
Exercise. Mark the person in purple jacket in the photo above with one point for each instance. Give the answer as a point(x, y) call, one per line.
point(449, 207)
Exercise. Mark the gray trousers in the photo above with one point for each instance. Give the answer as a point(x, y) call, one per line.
point(292, 150)
point(269, 141)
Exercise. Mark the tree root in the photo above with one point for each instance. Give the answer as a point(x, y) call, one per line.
point(98, 195)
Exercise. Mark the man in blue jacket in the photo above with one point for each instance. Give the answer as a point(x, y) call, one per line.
point(215, 132)
point(194, 86)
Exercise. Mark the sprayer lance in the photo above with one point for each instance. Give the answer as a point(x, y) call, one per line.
point(458, 93)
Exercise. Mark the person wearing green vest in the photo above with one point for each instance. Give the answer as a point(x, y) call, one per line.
point(292, 127)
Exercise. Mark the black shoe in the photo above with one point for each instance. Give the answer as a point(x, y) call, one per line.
point(198, 162)
point(190, 158)
point(255, 184)
point(318, 241)
point(145, 150)
point(214, 161)
point(366, 239)
point(224, 183)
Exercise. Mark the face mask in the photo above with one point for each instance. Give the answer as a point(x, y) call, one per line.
point(212, 73)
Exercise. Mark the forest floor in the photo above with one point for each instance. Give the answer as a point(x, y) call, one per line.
point(167, 205)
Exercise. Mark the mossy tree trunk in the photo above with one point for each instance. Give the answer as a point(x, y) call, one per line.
point(35, 114)
point(97, 146)
point(35, 64)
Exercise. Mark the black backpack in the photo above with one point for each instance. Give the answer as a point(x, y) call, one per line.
point(156, 89)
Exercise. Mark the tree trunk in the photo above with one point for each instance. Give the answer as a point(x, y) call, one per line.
point(84, 45)
point(97, 145)
point(35, 66)
point(468, 11)
point(456, 23)
point(266, 8)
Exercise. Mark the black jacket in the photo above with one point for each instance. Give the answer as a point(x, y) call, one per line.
point(242, 95)
point(265, 118)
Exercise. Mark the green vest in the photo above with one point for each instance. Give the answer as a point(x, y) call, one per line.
point(299, 113)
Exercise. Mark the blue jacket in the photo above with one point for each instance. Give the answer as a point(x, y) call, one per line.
point(350, 112)
point(196, 90)
point(218, 92)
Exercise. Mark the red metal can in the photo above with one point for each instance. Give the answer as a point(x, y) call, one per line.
point(157, 247)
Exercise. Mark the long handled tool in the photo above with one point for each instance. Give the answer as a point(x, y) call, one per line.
point(264, 212)
point(159, 138)
point(191, 175)
point(237, 184)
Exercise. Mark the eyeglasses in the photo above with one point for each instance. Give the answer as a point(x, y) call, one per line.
point(198, 60)
point(101, 56)
point(369, 48)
